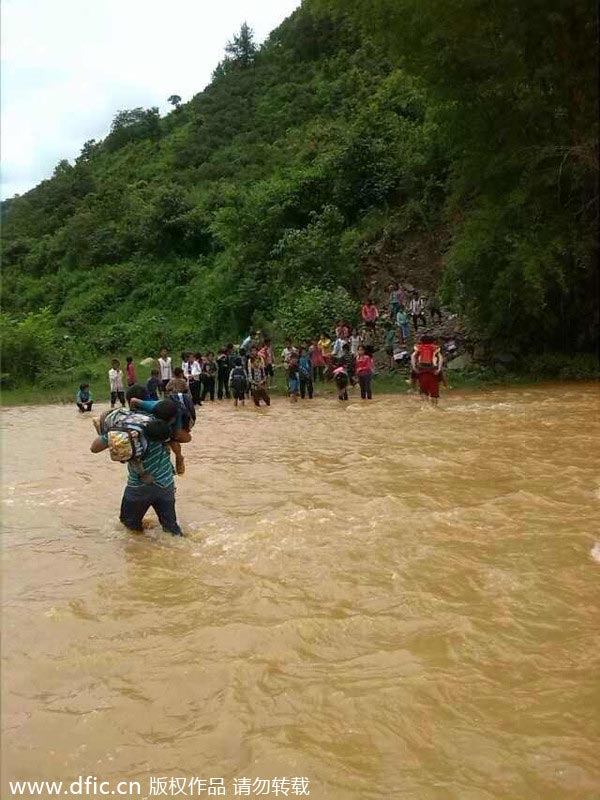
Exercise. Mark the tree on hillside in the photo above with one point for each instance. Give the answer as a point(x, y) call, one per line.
point(175, 100)
point(514, 86)
point(62, 168)
point(242, 50)
point(86, 151)
point(133, 124)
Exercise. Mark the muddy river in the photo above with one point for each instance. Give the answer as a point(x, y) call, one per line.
point(372, 601)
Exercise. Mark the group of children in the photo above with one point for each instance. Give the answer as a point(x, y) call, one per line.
point(247, 372)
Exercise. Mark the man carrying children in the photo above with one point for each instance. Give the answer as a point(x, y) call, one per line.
point(140, 495)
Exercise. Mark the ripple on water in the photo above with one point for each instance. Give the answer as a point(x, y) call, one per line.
point(391, 601)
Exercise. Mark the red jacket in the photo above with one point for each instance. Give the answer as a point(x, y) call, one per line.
point(363, 364)
point(426, 352)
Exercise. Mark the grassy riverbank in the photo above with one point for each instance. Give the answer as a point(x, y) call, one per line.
point(63, 389)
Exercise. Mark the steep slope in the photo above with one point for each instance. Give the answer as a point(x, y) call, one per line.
point(205, 221)
point(309, 171)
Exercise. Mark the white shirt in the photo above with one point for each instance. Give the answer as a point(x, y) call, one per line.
point(338, 347)
point(354, 342)
point(287, 353)
point(115, 378)
point(196, 369)
point(166, 372)
point(188, 369)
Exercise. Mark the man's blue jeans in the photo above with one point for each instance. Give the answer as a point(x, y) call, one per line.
point(138, 499)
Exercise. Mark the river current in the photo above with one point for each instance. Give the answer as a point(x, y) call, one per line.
point(387, 600)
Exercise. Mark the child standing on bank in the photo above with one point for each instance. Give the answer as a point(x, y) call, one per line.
point(153, 385)
point(130, 370)
point(402, 322)
point(364, 373)
point(370, 313)
point(115, 380)
point(165, 366)
point(324, 345)
point(389, 342)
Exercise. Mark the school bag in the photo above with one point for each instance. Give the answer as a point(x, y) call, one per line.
point(126, 434)
point(426, 353)
point(305, 368)
point(238, 380)
point(188, 410)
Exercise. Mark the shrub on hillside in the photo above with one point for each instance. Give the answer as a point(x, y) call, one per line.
point(307, 312)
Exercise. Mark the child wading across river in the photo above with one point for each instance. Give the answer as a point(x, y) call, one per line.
point(238, 382)
point(364, 372)
point(258, 379)
point(293, 378)
point(427, 364)
point(340, 376)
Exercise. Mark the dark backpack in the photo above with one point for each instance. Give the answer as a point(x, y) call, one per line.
point(238, 380)
point(188, 410)
point(305, 369)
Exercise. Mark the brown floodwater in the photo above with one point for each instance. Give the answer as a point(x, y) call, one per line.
point(390, 601)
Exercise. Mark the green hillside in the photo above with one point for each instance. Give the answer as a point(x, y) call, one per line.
point(356, 127)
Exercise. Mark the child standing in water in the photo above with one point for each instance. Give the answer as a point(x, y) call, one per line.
point(305, 372)
point(266, 353)
point(340, 376)
point(364, 373)
point(427, 364)
point(293, 377)
point(85, 401)
point(115, 379)
point(258, 379)
point(209, 373)
point(238, 382)
point(317, 361)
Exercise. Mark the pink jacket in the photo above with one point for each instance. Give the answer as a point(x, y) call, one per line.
point(369, 313)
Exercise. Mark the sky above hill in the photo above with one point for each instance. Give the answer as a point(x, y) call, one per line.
point(68, 66)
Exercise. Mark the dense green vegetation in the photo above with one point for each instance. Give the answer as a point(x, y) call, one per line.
point(356, 122)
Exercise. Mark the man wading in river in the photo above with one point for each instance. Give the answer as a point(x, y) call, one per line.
point(139, 496)
point(427, 363)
